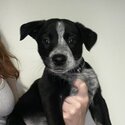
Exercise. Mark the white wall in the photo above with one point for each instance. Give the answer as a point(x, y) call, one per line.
point(106, 17)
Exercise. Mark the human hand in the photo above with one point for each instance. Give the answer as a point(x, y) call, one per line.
point(75, 107)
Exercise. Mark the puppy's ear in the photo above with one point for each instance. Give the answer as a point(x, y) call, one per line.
point(88, 36)
point(31, 28)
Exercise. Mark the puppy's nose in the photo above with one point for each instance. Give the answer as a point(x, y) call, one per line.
point(59, 59)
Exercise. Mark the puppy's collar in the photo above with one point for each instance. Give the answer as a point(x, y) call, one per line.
point(78, 68)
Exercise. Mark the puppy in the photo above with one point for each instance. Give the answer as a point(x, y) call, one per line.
point(60, 47)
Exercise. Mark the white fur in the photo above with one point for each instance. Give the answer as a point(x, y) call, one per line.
point(36, 120)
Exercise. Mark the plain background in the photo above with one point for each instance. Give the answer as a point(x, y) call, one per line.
point(105, 17)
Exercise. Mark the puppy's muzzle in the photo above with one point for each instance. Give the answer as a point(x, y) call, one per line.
point(59, 59)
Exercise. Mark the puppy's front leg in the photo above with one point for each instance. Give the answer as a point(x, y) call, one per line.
point(50, 99)
point(99, 110)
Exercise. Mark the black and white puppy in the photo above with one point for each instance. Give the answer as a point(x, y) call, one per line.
point(60, 47)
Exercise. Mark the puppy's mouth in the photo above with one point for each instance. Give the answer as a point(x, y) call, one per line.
point(77, 67)
point(59, 70)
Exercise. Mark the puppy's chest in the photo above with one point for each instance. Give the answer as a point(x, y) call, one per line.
point(86, 75)
point(66, 88)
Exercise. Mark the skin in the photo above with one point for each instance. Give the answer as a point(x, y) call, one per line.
point(75, 107)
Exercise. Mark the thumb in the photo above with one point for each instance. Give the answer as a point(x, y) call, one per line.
point(82, 88)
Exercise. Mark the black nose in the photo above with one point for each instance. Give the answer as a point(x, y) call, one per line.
point(59, 59)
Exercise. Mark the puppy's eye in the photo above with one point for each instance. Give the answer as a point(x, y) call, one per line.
point(70, 40)
point(46, 40)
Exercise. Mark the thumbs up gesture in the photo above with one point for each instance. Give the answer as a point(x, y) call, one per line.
point(75, 107)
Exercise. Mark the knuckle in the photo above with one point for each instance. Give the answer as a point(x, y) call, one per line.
point(78, 106)
point(83, 85)
point(72, 112)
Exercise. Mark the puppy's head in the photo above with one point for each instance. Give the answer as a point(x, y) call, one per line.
point(59, 42)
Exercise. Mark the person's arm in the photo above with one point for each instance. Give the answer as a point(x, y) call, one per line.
point(75, 107)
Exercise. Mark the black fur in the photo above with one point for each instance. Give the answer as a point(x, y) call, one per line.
point(46, 95)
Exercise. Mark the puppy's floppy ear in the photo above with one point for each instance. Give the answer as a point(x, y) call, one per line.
point(88, 36)
point(31, 28)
